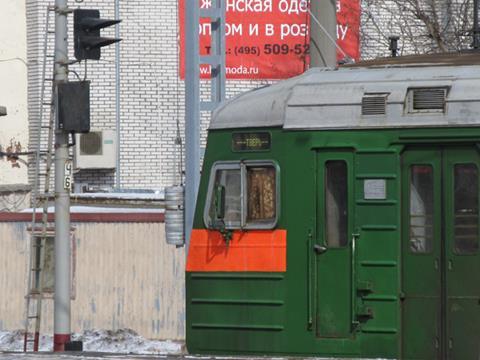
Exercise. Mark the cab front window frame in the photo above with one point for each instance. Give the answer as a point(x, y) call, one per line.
point(243, 168)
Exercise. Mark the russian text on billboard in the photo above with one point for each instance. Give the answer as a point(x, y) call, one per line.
point(269, 39)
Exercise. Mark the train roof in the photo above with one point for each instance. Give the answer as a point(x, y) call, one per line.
point(430, 90)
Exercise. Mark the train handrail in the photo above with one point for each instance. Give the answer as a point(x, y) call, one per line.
point(355, 237)
point(310, 273)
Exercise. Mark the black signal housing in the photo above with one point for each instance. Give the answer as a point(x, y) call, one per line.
point(86, 32)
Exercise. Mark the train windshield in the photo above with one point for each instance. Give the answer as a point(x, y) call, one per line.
point(242, 195)
point(230, 181)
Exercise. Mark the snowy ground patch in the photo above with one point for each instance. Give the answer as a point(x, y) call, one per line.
point(124, 341)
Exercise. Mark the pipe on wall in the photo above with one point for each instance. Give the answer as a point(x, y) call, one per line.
point(118, 183)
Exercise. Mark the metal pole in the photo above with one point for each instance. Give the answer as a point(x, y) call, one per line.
point(218, 44)
point(323, 50)
point(192, 113)
point(117, 94)
point(476, 24)
point(62, 195)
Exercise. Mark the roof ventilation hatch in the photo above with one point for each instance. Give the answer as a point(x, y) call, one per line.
point(427, 100)
point(374, 104)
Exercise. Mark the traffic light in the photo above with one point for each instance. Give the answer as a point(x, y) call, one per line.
point(86, 32)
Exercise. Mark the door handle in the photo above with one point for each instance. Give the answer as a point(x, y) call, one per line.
point(320, 249)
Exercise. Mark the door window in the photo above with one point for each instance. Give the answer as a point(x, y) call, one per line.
point(421, 208)
point(466, 208)
point(336, 198)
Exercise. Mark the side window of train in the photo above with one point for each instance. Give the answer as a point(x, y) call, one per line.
point(225, 196)
point(242, 195)
point(261, 195)
point(336, 203)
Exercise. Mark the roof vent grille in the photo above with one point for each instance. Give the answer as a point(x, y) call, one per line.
point(374, 104)
point(428, 99)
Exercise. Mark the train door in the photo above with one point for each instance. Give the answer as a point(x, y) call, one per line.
point(332, 246)
point(440, 254)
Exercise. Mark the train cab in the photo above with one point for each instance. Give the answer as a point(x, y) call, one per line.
point(338, 216)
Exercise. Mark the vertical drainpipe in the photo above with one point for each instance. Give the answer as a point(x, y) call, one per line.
point(323, 52)
point(117, 95)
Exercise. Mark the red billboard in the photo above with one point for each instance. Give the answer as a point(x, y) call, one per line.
point(269, 39)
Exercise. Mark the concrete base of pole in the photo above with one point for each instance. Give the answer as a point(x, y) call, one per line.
point(75, 346)
point(59, 341)
point(36, 341)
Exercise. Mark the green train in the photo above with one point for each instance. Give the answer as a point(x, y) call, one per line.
point(338, 216)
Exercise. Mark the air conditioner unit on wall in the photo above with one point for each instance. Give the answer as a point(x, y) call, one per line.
point(95, 150)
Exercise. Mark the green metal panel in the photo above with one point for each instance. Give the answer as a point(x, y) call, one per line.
point(461, 270)
point(249, 308)
point(247, 315)
point(441, 309)
point(377, 256)
point(421, 304)
point(333, 288)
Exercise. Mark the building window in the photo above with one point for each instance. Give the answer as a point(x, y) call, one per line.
point(42, 282)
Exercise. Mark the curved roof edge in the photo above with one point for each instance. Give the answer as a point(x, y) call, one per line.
point(332, 99)
point(262, 107)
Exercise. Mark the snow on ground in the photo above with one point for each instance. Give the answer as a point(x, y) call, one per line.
point(124, 344)
point(123, 341)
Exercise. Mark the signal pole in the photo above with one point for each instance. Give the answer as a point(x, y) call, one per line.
point(194, 105)
point(62, 193)
point(192, 112)
point(476, 24)
point(323, 50)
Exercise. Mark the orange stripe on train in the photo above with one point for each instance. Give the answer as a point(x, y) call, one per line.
point(255, 251)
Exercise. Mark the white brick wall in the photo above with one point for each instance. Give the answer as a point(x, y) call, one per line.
point(152, 96)
point(13, 90)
